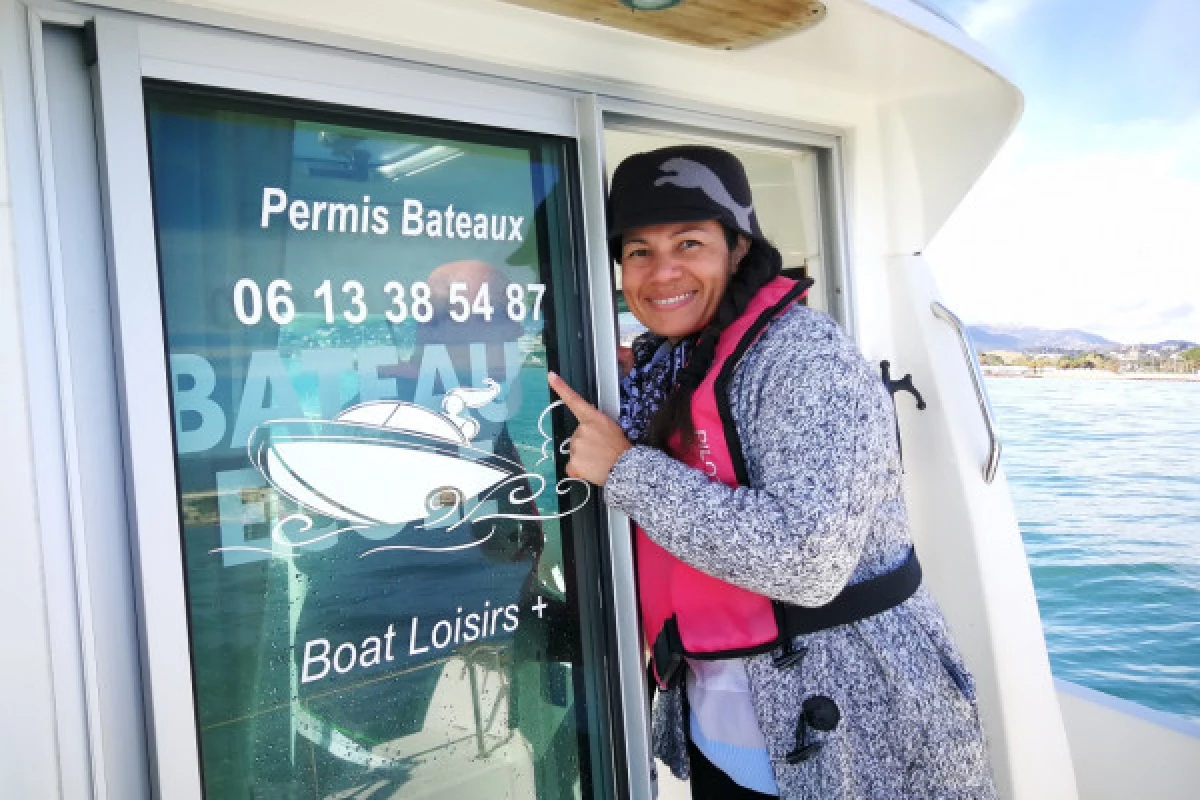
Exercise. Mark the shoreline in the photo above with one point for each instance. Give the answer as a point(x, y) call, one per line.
point(1093, 374)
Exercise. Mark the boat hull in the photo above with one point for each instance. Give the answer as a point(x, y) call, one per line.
point(372, 475)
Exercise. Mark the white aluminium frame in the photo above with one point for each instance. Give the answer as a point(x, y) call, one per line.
point(131, 49)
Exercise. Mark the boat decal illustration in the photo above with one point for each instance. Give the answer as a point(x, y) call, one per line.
point(392, 463)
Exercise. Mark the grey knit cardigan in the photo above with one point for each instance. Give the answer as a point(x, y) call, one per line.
point(824, 508)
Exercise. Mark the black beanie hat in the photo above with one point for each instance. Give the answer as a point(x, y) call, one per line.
point(683, 183)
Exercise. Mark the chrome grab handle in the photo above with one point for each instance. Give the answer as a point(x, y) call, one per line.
point(985, 407)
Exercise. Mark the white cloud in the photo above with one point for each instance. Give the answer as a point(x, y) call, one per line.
point(1106, 238)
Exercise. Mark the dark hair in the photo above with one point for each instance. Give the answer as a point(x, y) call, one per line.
point(758, 267)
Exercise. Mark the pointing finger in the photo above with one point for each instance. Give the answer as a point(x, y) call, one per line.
point(579, 407)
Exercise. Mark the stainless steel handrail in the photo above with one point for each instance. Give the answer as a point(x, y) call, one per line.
point(985, 406)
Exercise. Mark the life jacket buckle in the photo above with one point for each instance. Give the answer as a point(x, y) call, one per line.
point(789, 655)
point(667, 656)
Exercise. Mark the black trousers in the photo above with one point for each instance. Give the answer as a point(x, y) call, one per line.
point(709, 782)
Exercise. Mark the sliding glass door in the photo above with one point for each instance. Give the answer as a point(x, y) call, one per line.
point(375, 578)
point(377, 534)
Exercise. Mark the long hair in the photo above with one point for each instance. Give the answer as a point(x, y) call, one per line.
point(761, 264)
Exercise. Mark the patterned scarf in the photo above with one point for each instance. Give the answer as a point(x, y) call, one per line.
point(656, 365)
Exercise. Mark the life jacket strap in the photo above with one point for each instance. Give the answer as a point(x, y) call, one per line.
point(853, 603)
point(666, 657)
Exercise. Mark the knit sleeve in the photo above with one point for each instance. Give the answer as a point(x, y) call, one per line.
point(818, 436)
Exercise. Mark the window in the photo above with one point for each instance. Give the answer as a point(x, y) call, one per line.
point(383, 558)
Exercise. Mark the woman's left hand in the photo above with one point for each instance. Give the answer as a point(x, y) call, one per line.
point(598, 441)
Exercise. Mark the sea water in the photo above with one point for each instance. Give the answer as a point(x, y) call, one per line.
point(1105, 475)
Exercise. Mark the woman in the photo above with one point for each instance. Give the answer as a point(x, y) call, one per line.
point(794, 650)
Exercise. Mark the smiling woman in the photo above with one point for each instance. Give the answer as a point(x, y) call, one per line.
point(676, 273)
point(789, 205)
point(795, 652)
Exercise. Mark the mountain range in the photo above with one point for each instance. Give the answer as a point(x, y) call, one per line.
point(1026, 339)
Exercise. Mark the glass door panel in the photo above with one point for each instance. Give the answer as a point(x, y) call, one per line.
point(383, 556)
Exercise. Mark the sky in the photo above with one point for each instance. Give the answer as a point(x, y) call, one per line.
point(1090, 216)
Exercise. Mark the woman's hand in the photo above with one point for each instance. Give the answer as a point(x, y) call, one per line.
point(598, 441)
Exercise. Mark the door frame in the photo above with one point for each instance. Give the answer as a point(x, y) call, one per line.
point(129, 51)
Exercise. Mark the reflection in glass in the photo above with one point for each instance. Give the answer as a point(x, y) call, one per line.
point(380, 546)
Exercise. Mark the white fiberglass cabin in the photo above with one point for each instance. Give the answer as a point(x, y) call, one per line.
point(279, 286)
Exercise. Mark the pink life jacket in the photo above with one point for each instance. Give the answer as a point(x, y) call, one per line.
point(715, 619)
point(686, 612)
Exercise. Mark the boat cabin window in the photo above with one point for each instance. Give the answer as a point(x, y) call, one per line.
point(380, 548)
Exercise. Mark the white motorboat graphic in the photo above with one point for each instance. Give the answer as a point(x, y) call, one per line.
point(395, 463)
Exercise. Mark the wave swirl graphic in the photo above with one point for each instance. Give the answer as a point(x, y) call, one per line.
point(392, 464)
point(518, 490)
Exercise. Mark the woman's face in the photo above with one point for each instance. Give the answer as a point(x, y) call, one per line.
point(674, 274)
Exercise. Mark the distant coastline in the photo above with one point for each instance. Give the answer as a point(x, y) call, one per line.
point(1088, 374)
point(1041, 352)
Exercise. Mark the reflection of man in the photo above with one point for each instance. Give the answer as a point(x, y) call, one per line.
point(458, 339)
point(451, 353)
point(350, 598)
point(474, 275)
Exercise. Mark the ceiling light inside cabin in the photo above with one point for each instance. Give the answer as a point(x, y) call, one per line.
point(649, 5)
point(423, 159)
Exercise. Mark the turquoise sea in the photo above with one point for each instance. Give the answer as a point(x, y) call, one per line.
point(1105, 475)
